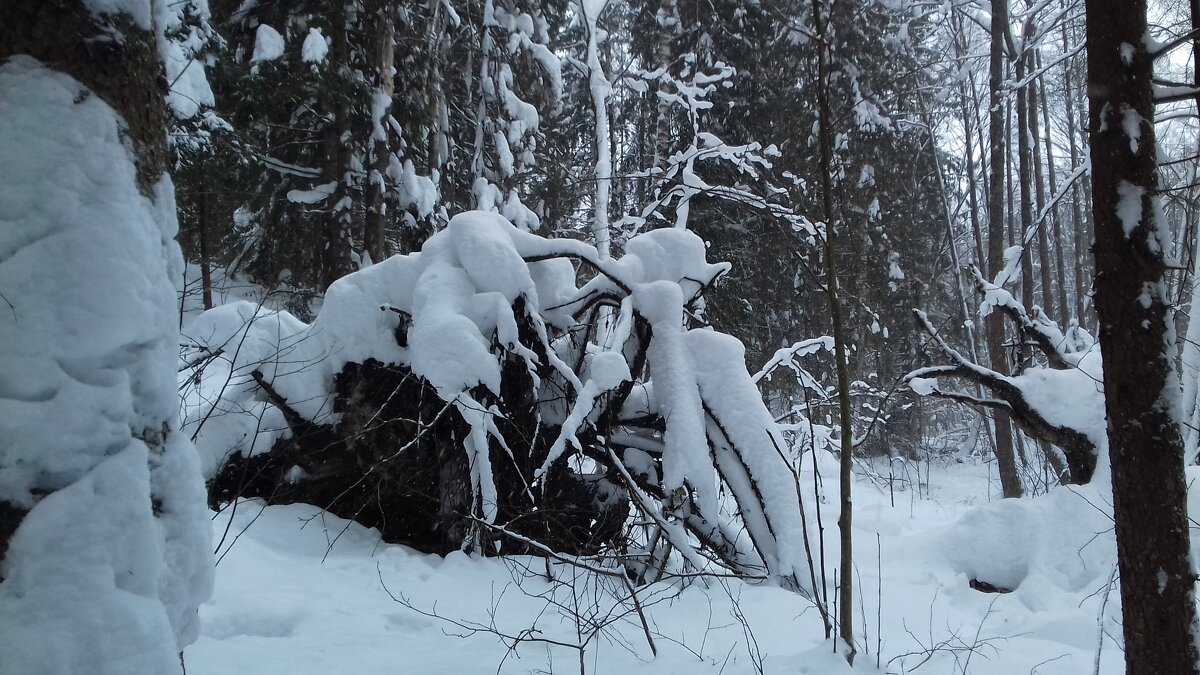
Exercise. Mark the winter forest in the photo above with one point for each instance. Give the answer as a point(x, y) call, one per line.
point(599, 336)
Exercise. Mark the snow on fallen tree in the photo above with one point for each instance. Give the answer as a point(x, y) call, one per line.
point(473, 395)
point(1061, 403)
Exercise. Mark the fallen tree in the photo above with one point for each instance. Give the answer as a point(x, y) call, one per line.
point(473, 396)
point(1060, 402)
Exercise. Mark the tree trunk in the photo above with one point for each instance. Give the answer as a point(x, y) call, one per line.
point(1136, 343)
point(1055, 220)
point(1025, 195)
point(66, 36)
point(1010, 481)
point(825, 139)
point(58, 60)
point(336, 242)
point(374, 239)
point(1039, 189)
point(204, 221)
point(1081, 238)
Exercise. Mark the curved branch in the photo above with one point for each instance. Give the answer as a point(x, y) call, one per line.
point(1077, 447)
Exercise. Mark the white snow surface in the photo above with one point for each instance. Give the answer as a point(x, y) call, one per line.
point(1129, 206)
point(95, 579)
point(301, 592)
point(1072, 398)
point(743, 422)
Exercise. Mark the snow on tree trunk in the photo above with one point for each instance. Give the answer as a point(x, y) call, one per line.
point(104, 537)
point(1137, 345)
point(600, 88)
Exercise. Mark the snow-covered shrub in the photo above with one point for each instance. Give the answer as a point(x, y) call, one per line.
point(101, 503)
point(474, 395)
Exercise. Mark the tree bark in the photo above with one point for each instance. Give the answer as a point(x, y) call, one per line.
point(336, 242)
point(846, 567)
point(1025, 195)
point(1039, 189)
point(374, 239)
point(1136, 343)
point(111, 56)
point(204, 222)
point(1077, 223)
point(1010, 481)
point(1055, 220)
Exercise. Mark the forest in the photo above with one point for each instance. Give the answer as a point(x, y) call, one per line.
point(599, 336)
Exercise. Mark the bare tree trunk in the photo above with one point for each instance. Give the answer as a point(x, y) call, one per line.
point(1039, 189)
point(1010, 481)
point(1137, 345)
point(336, 242)
point(374, 239)
point(204, 220)
point(968, 129)
point(1087, 222)
point(1025, 195)
point(66, 36)
point(1081, 238)
point(1055, 220)
point(846, 567)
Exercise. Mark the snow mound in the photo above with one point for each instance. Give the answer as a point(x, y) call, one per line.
point(1061, 540)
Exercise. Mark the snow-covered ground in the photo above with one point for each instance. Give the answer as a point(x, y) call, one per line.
point(299, 591)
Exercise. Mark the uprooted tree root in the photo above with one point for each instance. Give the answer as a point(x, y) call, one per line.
point(395, 462)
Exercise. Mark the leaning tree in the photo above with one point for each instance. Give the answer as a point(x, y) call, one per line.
point(1057, 399)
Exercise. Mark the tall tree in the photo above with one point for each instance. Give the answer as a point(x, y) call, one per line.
point(1010, 481)
point(1137, 345)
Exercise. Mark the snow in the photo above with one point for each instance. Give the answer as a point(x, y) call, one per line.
point(305, 592)
point(923, 386)
point(139, 11)
point(190, 92)
point(95, 579)
point(606, 370)
point(1129, 206)
point(417, 192)
point(748, 442)
point(315, 48)
point(685, 453)
point(600, 88)
point(1131, 124)
point(313, 196)
point(268, 44)
point(1011, 273)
